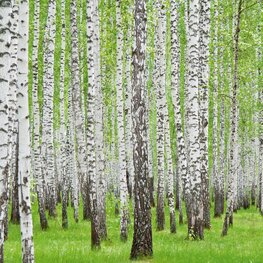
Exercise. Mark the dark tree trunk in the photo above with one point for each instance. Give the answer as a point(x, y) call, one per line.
point(160, 216)
point(219, 203)
point(253, 194)
point(86, 202)
point(151, 187)
point(64, 209)
point(142, 236)
point(95, 235)
point(58, 192)
point(42, 215)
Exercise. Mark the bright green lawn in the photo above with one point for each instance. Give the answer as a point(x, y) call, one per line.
point(243, 244)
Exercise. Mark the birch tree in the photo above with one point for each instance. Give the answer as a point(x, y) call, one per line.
point(195, 210)
point(78, 117)
point(204, 28)
point(170, 174)
point(5, 40)
point(26, 223)
point(64, 145)
point(99, 125)
point(48, 91)
point(142, 236)
point(175, 91)
point(233, 149)
point(13, 122)
point(95, 238)
point(121, 136)
point(128, 130)
point(37, 169)
point(160, 89)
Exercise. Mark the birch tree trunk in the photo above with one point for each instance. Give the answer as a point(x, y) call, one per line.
point(204, 27)
point(219, 178)
point(128, 132)
point(121, 136)
point(5, 57)
point(26, 223)
point(77, 109)
point(170, 174)
point(175, 91)
point(95, 238)
point(99, 135)
point(216, 172)
point(72, 171)
point(64, 144)
point(37, 172)
point(13, 122)
point(233, 149)
point(48, 90)
point(142, 236)
point(160, 82)
point(195, 213)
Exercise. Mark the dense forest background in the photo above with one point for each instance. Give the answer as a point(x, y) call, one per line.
point(121, 118)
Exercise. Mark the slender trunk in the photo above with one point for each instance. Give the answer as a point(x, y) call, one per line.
point(37, 172)
point(142, 236)
point(170, 174)
point(128, 131)
point(99, 136)
point(5, 57)
point(77, 109)
point(64, 149)
point(204, 29)
point(195, 212)
point(181, 164)
point(220, 174)
point(121, 136)
point(26, 223)
point(13, 122)
point(95, 238)
point(160, 82)
point(48, 90)
point(233, 151)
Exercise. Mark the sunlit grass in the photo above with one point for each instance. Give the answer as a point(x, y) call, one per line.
point(243, 244)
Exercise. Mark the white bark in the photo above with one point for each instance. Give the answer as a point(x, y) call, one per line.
point(204, 28)
point(78, 118)
point(175, 91)
point(36, 160)
point(121, 136)
point(12, 113)
point(170, 173)
point(95, 240)
point(195, 215)
point(5, 56)
point(26, 223)
point(48, 90)
point(160, 88)
point(232, 176)
point(99, 128)
point(128, 130)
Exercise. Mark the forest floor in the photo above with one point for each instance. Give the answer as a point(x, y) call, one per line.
point(244, 242)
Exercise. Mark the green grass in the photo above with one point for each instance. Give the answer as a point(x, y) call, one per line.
point(243, 244)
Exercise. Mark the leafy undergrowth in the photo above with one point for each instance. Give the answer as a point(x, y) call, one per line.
point(243, 244)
